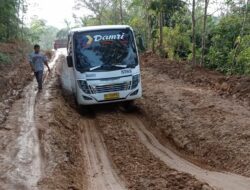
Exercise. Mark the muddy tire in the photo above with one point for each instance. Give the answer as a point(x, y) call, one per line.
point(84, 110)
point(79, 108)
point(129, 106)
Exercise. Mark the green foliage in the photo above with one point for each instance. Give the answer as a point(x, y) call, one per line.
point(227, 37)
point(243, 56)
point(4, 58)
point(62, 34)
point(12, 25)
point(176, 42)
point(37, 28)
point(42, 34)
point(48, 37)
point(137, 21)
point(229, 50)
point(10, 18)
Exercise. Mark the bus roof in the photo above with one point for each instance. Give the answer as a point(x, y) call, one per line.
point(101, 27)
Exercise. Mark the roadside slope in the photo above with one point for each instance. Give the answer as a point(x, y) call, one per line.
point(210, 129)
point(218, 180)
point(15, 65)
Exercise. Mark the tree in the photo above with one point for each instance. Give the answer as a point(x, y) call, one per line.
point(164, 10)
point(121, 11)
point(140, 19)
point(62, 34)
point(183, 31)
point(41, 33)
point(229, 51)
point(68, 24)
point(98, 7)
point(48, 37)
point(204, 32)
point(193, 34)
point(37, 28)
point(9, 20)
point(245, 15)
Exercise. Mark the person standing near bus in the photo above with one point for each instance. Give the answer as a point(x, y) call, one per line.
point(37, 61)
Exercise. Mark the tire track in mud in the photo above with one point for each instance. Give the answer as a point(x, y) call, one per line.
point(101, 174)
point(218, 180)
point(98, 168)
point(136, 164)
point(22, 153)
point(21, 160)
point(117, 145)
point(63, 160)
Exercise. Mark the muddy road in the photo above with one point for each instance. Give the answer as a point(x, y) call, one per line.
point(46, 143)
point(20, 156)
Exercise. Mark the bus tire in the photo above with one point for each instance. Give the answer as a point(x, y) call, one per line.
point(129, 106)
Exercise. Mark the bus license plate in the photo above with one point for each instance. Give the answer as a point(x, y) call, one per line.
point(111, 96)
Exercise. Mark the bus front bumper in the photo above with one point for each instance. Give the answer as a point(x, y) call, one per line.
point(102, 98)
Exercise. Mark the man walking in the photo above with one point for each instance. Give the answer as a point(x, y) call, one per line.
point(37, 62)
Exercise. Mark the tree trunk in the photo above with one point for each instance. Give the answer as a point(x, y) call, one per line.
point(121, 12)
point(148, 27)
point(161, 30)
point(193, 33)
point(18, 15)
point(153, 45)
point(115, 8)
point(204, 34)
point(99, 18)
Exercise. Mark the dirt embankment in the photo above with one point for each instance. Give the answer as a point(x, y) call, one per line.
point(197, 113)
point(14, 75)
point(237, 87)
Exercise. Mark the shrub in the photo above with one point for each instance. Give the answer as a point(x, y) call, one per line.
point(4, 58)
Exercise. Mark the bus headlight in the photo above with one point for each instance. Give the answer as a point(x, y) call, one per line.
point(84, 86)
point(135, 81)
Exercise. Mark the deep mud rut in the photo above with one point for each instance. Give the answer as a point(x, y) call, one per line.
point(47, 144)
point(218, 180)
point(99, 168)
point(20, 156)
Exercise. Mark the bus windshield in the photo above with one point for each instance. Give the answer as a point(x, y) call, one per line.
point(105, 50)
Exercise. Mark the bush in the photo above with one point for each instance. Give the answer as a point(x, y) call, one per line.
point(4, 58)
point(176, 43)
point(230, 49)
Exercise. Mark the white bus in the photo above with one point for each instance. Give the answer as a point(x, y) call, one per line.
point(104, 64)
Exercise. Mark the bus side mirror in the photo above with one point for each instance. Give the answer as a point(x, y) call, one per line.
point(70, 61)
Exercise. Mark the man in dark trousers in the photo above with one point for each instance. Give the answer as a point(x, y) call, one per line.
point(37, 61)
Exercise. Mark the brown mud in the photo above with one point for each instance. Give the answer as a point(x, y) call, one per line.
point(14, 76)
point(202, 123)
point(180, 136)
